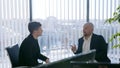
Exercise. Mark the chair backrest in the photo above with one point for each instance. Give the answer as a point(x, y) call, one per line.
point(13, 53)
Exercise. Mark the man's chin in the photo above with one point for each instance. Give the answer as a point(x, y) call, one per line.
point(84, 35)
point(40, 35)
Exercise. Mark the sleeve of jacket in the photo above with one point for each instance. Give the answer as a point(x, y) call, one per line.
point(40, 56)
point(102, 50)
point(79, 50)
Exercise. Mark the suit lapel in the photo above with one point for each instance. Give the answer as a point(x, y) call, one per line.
point(92, 42)
point(81, 44)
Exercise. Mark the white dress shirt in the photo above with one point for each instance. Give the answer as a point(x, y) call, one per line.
point(86, 44)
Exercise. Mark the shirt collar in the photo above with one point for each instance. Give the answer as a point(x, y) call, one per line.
point(88, 38)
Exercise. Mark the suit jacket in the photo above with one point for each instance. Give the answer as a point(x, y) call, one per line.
point(98, 43)
point(30, 52)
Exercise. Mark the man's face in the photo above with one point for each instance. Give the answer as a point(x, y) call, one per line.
point(39, 31)
point(87, 30)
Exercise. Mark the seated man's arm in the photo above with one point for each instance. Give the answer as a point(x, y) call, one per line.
point(79, 49)
point(102, 50)
point(42, 57)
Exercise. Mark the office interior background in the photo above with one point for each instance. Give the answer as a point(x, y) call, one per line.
point(62, 22)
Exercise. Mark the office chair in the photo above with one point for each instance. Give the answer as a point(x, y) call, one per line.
point(13, 53)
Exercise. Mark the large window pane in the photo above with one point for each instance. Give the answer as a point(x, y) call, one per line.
point(62, 22)
point(14, 18)
point(61, 9)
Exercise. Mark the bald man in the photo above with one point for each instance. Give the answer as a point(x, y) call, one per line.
point(91, 41)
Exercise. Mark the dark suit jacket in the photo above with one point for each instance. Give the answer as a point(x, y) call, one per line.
point(30, 52)
point(98, 43)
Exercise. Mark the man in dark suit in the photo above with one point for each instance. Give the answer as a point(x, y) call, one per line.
point(29, 49)
point(92, 41)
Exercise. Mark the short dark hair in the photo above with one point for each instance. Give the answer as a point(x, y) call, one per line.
point(33, 26)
